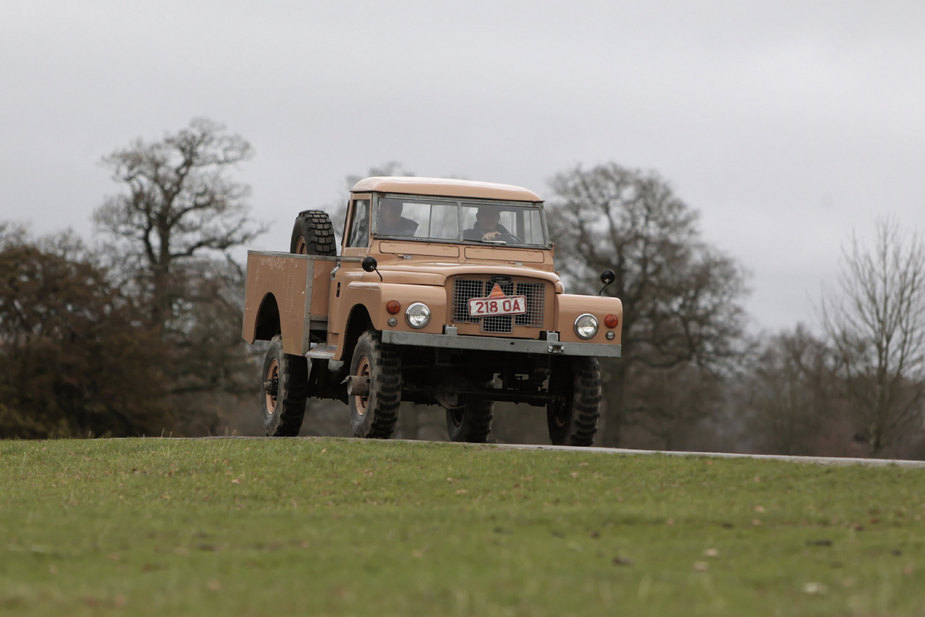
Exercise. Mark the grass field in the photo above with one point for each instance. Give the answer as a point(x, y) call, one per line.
point(350, 527)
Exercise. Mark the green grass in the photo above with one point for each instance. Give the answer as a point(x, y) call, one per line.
point(351, 527)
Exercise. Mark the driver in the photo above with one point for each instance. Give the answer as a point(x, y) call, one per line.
point(488, 228)
point(392, 223)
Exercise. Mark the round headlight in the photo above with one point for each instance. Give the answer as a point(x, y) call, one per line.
point(417, 315)
point(586, 326)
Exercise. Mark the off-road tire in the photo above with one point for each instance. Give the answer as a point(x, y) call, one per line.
point(470, 422)
point(285, 390)
point(573, 419)
point(375, 415)
point(313, 234)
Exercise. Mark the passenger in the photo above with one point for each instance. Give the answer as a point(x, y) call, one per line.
point(488, 227)
point(392, 223)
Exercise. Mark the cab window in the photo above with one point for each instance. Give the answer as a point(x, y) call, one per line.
point(359, 225)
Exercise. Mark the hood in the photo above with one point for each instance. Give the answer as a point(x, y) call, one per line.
point(436, 273)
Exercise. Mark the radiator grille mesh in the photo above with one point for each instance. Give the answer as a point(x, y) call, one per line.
point(466, 288)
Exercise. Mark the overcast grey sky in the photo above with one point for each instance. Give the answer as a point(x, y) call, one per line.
point(785, 124)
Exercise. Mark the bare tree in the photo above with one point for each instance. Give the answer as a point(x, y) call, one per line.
point(788, 393)
point(669, 404)
point(681, 297)
point(876, 323)
point(179, 203)
point(171, 232)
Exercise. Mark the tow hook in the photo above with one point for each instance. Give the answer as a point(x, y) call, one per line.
point(554, 345)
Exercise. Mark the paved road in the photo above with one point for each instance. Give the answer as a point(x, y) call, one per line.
point(819, 460)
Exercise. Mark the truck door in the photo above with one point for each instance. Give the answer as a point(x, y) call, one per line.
point(355, 244)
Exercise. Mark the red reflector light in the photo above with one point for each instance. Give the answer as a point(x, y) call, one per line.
point(393, 306)
point(611, 320)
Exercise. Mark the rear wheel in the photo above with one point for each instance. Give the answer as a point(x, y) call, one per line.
point(470, 422)
point(313, 234)
point(374, 409)
point(285, 390)
point(573, 415)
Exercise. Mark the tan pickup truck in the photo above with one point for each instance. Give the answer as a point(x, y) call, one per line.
point(444, 293)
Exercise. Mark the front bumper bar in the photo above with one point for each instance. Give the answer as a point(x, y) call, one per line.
point(551, 346)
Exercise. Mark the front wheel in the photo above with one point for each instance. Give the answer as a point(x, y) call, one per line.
point(285, 390)
point(573, 415)
point(376, 371)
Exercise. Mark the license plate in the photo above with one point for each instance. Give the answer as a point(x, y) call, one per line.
point(504, 305)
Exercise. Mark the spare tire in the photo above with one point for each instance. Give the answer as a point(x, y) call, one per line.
point(313, 234)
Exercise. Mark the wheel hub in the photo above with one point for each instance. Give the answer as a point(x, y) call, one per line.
point(361, 402)
point(271, 387)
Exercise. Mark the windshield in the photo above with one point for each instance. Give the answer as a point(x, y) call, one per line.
point(448, 220)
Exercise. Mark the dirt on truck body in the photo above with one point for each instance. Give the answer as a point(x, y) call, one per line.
point(444, 292)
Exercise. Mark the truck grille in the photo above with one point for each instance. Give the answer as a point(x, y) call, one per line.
point(464, 289)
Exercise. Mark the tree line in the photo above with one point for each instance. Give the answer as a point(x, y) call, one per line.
point(140, 334)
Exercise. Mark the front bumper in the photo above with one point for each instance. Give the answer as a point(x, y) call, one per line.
point(551, 346)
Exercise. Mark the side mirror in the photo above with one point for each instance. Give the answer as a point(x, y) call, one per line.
point(370, 264)
point(607, 277)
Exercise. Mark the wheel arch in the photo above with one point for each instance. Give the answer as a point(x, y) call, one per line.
point(358, 322)
point(267, 323)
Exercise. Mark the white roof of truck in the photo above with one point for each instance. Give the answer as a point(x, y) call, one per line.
point(445, 187)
